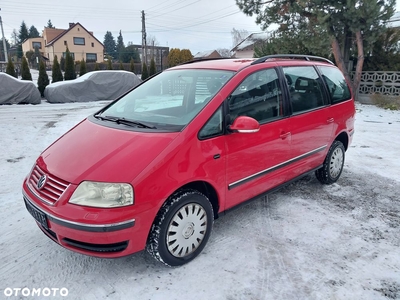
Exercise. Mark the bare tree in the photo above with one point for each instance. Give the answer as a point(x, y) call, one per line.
point(238, 35)
point(224, 52)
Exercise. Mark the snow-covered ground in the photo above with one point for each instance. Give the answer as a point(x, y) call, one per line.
point(306, 241)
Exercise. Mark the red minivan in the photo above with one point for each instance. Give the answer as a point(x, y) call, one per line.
point(154, 168)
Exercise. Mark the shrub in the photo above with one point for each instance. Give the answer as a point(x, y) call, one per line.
point(56, 73)
point(43, 79)
point(152, 70)
point(69, 66)
point(82, 68)
point(25, 72)
point(145, 72)
point(10, 70)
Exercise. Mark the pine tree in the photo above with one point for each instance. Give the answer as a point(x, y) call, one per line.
point(62, 63)
point(82, 69)
point(33, 32)
point(49, 24)
point(120, 46)
point(109, 64)
point(25, 72)
point(109, 44)
point(10, 70)
point(43, 79)
point(96, 66)
point(152, 70)
point(132, 66)
point(56, 73)
point(145, 72)
point(69, 66)
point(121, 66)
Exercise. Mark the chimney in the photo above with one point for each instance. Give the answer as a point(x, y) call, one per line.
point(71, 24)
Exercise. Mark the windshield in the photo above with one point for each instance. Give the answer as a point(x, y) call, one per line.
point(171, 99)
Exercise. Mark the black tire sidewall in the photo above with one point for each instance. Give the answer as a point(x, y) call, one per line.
point(190, 197)
point(335, 145)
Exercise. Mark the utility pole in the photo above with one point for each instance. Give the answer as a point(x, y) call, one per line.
point(144, 46)
point(4, 42)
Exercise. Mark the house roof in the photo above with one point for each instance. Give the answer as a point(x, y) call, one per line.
point(251, 40)
point(65, 31)
point(206, 54)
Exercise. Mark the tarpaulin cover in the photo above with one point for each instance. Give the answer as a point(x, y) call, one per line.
point(93, 86)
point(16, 91)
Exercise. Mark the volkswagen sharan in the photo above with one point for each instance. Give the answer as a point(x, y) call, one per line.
point(154, 168)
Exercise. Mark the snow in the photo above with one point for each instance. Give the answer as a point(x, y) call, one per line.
point(252, 39)
point(306, 241)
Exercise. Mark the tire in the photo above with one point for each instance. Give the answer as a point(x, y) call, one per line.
point(333, 165)
point(181, 229)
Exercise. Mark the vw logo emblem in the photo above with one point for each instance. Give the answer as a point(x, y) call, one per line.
point(41, 182)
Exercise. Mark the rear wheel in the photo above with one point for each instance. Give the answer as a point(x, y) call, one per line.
point(181, 228)
point(333, 164)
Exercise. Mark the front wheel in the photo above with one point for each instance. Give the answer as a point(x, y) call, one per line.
point(181, 229)
point(333, 165)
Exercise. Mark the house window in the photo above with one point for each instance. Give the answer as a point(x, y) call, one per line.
point(37, 45)
point(92, 44)
point(79, 41)
point(65, 43)
point(91, 57)
point(71, 53)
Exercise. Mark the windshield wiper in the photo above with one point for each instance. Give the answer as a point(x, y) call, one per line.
point(125, 121)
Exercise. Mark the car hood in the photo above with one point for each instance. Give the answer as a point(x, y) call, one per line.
point(94, 152)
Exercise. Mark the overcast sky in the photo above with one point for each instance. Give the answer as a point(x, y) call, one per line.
point(198, 25)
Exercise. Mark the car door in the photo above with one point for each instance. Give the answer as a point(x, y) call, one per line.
point(311, 126)
point(256, 161)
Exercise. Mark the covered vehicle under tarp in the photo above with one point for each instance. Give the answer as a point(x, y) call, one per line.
point(16, 91)
point(93, 86)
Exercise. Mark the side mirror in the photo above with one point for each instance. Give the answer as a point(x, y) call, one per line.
point(243, 124)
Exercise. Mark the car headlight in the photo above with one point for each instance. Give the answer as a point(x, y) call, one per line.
point(103, 194)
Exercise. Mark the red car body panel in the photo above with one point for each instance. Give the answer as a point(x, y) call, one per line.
point(236, 166)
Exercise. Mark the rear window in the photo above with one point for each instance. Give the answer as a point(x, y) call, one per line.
point(337, 86)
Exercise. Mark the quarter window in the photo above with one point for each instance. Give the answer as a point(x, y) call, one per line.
point(259, 96)
point(213, 127)
point(305, 88)
point(337, 86)
point(79, 41)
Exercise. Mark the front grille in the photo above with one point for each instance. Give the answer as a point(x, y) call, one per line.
point(117, 247)
point(52, 189)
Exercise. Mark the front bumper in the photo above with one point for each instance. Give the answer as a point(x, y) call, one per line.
point(101, 240)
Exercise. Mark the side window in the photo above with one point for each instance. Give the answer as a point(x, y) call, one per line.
point(213, 127)
point(337, 86)
point(305, 87)
point(259, 96)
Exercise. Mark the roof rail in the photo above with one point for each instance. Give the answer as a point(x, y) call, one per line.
point(306, 57)
point(195, 60)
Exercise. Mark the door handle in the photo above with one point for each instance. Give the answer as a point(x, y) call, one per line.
point(330, 120)
point(285, 135)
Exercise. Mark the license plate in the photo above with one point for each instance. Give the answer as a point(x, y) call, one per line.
point(36, 214)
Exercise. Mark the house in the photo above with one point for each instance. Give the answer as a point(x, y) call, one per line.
point(207, 54)
point(245, 48)
point(81, 43)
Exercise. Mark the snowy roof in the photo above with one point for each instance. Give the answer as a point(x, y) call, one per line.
point(251, 40)
point(206, 54)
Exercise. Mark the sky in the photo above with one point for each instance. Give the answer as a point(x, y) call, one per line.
point(198, 25)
